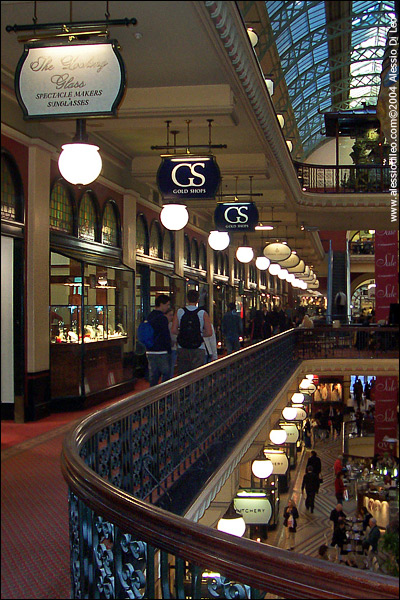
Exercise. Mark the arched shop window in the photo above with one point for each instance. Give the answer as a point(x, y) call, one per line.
point(202, 257)
point(87, 218)
point(11, 190)
point(220, 263)
point(168, 245)
point(186, 251)
point(194, 249)
point(61, 209)
point(263, 278)
point(142, 235)
point(155, 249)
point(110, 225)
point(226, 267)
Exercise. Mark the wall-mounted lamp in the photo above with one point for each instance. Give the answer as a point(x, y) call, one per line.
point(278, 436)
point(262, 467)
point(79, 162)
point(174, 216)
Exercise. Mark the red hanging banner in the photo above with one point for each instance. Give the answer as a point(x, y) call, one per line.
point(386, 273)
point(386, 398)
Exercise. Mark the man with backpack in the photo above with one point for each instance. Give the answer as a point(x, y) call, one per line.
point(158, 350)
point(191, 324)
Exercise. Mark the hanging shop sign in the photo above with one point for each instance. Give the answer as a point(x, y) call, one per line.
point(277, 252)
point(292, 261)
point(292, 432)
point(254, 507)
point(70, 81)
point(236, 216)
point(188, 177)
point(279, 461)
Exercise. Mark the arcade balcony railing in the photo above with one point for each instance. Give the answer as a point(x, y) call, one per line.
point(134, 468)
point(346, 179)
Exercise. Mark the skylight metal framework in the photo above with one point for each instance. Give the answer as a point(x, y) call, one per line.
point(319, 78)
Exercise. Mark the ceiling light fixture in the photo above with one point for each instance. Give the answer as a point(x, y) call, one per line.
point(79, 162)
point(245, 253)
point(174, 216)
point(218, 240)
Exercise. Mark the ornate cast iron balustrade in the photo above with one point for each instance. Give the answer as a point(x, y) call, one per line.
point(347, 342)
point(121, 465)
point(348, 179)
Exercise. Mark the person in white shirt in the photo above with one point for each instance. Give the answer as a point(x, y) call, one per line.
point(211, 346)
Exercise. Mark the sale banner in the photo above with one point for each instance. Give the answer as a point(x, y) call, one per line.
point(386, 398)
point(386, 273)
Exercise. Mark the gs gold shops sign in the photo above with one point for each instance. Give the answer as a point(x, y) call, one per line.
point(236, 216)
point(190, 177)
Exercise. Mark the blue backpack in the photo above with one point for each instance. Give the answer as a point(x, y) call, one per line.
point(145, 335)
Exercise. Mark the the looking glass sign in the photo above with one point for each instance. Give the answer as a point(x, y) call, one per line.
point(236, 216)
point(74, 80)
point(188, 177)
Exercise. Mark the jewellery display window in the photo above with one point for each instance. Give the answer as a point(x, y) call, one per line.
point(91, 337)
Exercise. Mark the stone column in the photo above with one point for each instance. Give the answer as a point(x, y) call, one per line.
point(37, 281)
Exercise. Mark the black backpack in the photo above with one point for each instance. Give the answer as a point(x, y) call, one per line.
point(189, 335)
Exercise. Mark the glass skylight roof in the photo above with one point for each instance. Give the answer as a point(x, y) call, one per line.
point(301, 35)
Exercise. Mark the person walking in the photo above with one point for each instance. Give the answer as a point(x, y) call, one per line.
point(311, 485)
point(232, 328)
point(339, 488)
point(191, 324)
point(290, 516)
point(338, 465)
point(358, 392)
point(159, 355)
point(315, 462)
point(307, 434)
point(174, 346)
point(211, 347)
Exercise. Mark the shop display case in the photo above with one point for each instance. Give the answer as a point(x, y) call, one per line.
point(90, 339)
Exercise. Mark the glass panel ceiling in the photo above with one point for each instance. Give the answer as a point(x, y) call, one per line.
point(301, 36)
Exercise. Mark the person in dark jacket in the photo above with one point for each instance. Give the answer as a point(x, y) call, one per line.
point(290, 516)
point(337, 514)
point(232, 328)
point(311, 485)
point(339, 535)
point(159, 357)
point(315, 462)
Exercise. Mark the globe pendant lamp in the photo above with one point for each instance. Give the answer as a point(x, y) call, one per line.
point(274, 268)
point(289, 413)
point(278, 436)
point(262, 468)
point(218, 240)
point(297, 398)
point(262, 263)
point(232, 522)
point(245, 253)
point(174, 216)
point(283, 273)
point(79, 162)
point(307, 386)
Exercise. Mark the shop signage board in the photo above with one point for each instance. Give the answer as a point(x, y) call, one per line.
point(386, 273)
point(279, 461)
point(236, 216)
point(277, 252)
point(292, 432)
point(385, 416)
point(188, 177)
point(75, 80)
point(254, 510)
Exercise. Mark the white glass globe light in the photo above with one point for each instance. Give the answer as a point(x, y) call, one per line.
point(262, 263)
point(310, 376)
point(289, 413)
point(274, 268)
point(270, 86)
point(262, 468)
point(174, 216)
point(295, 283)
point(289, 145)
point(80, 163)
point(278, 436)
point(244, 254)
point(290, 277)
point(282, 273)
point(218, 240)
point(297, 398)
point(281, 120)
point(253, 36)
point(232, 525)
